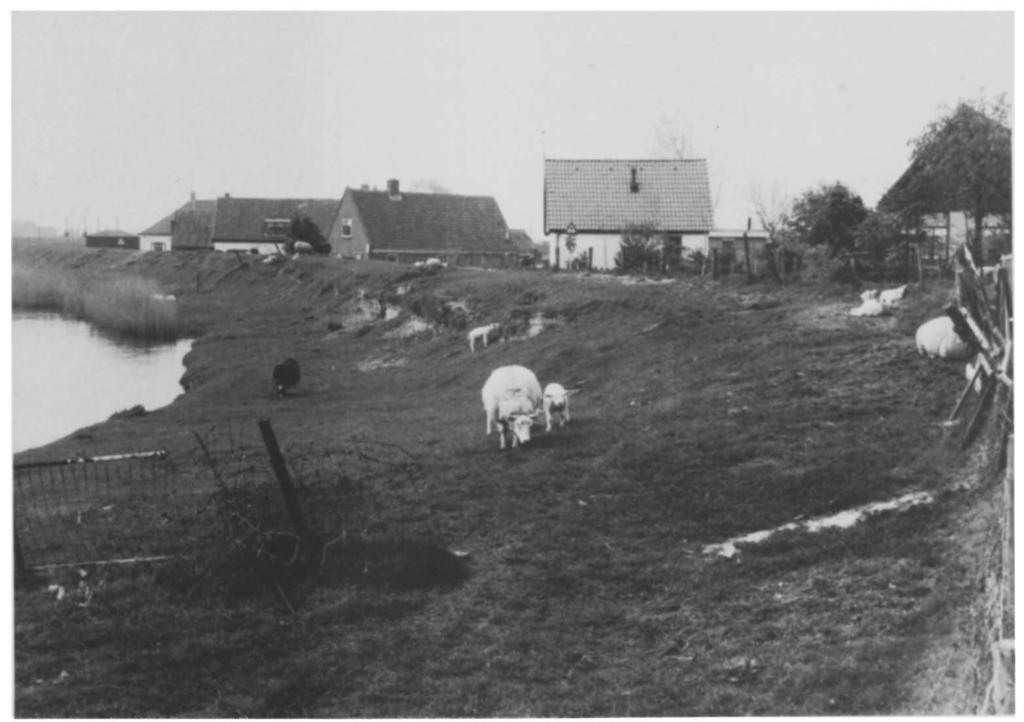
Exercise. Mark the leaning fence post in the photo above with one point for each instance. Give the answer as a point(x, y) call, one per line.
point(291, 499)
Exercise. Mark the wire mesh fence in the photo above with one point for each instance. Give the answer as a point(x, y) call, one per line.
point(100, 509)
point(224, 494)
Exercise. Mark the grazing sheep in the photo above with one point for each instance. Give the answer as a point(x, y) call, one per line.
point(556, 401)
point(512, 400)
point(938, 339)
point(286, 376)
point(483, 333)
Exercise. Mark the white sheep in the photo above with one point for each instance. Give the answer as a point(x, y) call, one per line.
point(512, 400)
point(892, 296)
point(483, 333)
point(870, 295)
point(556, 401)
point(938, 339)
point(869, 307)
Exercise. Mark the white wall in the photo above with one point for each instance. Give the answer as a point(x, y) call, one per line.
point(147, 243)
point(607, 246)
point(264, 249)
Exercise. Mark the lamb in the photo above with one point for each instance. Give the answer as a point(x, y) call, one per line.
point(286, 376)
point(556, 401)
point(482, 332)
point(512, 400)
point(938, 339)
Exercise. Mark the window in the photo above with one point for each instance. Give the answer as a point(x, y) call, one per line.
point(277, 227)
point(346, 227)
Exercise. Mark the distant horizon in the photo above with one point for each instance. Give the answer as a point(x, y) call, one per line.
point(118, 116)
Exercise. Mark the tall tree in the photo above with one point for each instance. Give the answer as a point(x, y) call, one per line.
point(828, 215)
point(964, 162)
point(304, 229)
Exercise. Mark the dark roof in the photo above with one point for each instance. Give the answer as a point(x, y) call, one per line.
point(112, 234)
point(919, 190)
point(161, 227)
point(193, 225)
point(432, 221)
point(241, 219)
point(595, 195)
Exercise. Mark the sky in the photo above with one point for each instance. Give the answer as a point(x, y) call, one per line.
point(117, 117)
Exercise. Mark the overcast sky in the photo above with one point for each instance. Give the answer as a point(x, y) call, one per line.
point(118, 116)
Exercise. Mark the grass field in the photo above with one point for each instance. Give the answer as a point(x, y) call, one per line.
point(706, 410)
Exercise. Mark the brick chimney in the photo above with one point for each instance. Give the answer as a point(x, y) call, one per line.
point(393, 192)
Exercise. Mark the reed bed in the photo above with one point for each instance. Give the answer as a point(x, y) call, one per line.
point(130, 306)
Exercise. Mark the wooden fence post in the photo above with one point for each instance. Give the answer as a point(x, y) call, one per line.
point(714, 263)
point(291, 499)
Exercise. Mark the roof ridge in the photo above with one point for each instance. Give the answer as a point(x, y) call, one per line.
point(624, 160)
point(419, 193)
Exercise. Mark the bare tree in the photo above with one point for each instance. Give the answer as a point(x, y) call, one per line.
point(669, 140)
point(429, 185)
point(772, 208)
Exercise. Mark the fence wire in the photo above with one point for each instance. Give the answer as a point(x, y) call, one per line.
point(104, 509)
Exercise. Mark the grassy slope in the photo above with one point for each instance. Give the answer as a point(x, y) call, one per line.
point(706, 410)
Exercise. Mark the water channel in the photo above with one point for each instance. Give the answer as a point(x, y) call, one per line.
point(67, 375)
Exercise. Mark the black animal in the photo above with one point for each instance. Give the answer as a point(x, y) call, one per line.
point(286, 376)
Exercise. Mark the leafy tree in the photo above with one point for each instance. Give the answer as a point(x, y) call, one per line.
point(964, 162)
point(828, 216)
point(880, 240)
point(304, 229)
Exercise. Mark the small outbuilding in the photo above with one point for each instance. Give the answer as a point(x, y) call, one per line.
point(112, 239)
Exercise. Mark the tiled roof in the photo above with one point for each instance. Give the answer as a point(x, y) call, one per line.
point(432, 221)
point(595, 195)
point(160, 228)
point(193, 225)
point(241, 219)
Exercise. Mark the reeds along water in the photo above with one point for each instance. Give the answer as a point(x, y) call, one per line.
point(132, 306)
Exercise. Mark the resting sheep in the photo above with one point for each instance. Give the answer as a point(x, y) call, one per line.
point(286, 376)
point(556, 401)
point(483, 333)
point(892, 296)
point(512, 400)
point(938, 339)
point(868, 307)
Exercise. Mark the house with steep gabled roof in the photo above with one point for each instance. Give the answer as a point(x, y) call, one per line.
point(596, 201)
point(263, 225)
point(403, 227)
point(158, 236)
point(184, 229)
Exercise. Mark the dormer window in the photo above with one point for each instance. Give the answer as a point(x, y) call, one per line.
point(277, 227)
point(634, 186)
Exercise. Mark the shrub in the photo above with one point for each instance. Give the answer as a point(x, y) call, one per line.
point(639, 251)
